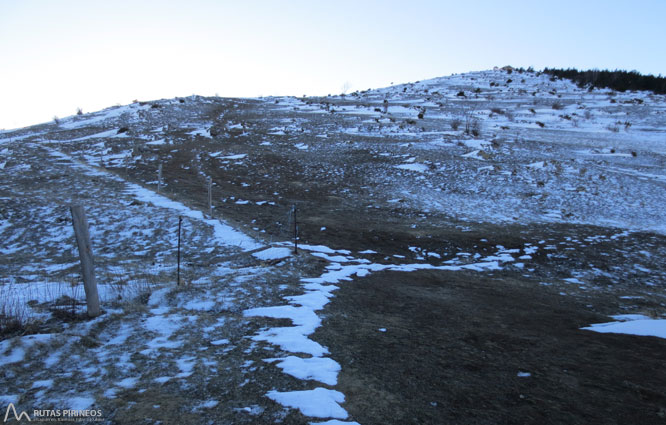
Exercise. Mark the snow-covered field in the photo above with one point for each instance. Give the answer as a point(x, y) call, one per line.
point(545, 154)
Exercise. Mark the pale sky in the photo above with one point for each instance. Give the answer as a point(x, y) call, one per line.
point(57, 56)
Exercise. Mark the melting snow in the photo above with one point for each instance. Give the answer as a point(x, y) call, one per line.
point(273, 253)
point(318, 403)
point(633, 325)
point(421, 168)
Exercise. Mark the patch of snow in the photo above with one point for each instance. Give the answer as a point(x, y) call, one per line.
point(318, 403)
point(200, 132)
point(420, 168)
point(273, 253)
point(127, 382)
point(474, 155)
point(224, 233)
point(238, 156)
point(102, 135)
point(13, 350)
point(186, 366)
point(158, 297)
point(207, 404)
point(199, 305)
point(573, 280)
point(642, 327)
point(46, 383)
point(317, 248)
point(9, 398)
point(77, 403)
point(335, 422)
point(320, 369)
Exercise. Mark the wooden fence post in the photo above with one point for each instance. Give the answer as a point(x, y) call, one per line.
point(210, 196)
point(295, 232)
point(159, 178)
point(87, 261)
point(180, 220)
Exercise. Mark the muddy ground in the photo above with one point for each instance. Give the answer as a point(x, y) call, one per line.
point(454, 344)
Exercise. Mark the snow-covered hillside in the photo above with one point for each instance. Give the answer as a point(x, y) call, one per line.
point(514, 176)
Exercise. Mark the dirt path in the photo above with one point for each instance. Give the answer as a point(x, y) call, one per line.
point(448, 347)
point(158, 353)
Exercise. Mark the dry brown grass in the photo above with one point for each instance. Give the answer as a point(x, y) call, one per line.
point(26, 307)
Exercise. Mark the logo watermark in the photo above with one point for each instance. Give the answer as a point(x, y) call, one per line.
point(18, 417)
point(53, 415)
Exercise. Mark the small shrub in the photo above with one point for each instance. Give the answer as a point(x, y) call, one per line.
point(627, 124)
point(79, 111)
point(532, 110)
point(455, 124)
point(473, 127)
point(13, 319)
point(540, 124)
point(56, 120)
point(557, 105)
point(461, 94)
point(634, 154)
point(497, 111)
point(613, 128)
